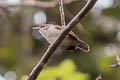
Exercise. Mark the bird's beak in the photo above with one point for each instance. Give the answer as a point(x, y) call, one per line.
point(35, 28)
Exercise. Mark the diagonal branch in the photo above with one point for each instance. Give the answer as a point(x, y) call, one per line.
point(70, 16)
point(37, 69)
point(62, 13)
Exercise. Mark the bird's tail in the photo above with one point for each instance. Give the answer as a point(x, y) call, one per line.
point(83, 46)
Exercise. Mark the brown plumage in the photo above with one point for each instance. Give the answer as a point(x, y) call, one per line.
point(70, 43)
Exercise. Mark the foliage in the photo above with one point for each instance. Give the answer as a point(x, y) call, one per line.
point(21, 47)
point(64, 71)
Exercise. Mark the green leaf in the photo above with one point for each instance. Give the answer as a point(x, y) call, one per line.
point(65, 71)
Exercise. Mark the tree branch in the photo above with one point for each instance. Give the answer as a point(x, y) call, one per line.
point(35, 3)
point(37, 69)
point(117, 64)
point(99, 77)
point(70, 16)
point(62, 13)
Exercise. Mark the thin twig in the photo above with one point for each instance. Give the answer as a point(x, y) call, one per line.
point(37, 69)
point(99, 77)
point(62, 13)
point(34, 3)
point(117, 64)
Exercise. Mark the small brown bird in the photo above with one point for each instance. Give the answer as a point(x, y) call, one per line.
point(70, 43)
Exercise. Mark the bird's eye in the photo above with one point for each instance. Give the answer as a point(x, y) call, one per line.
point(42, 26)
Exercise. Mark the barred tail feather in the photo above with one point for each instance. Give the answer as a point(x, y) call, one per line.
point(83, 46)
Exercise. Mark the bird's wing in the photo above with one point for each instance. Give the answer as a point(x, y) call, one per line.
point(73, 35)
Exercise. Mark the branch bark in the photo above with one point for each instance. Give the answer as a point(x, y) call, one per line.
point(70, 16)
point(99, 77)
point(117, 64)
point(37, 69)
point(62, 13)
point(41, 4)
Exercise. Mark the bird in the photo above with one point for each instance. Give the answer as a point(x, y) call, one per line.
point(71, 42)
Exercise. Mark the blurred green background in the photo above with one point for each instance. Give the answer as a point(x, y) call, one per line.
point(21, 47)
